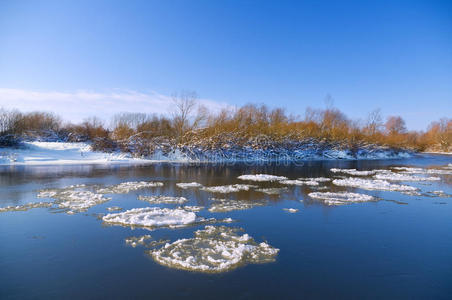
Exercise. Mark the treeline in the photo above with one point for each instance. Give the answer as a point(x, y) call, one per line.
point(193, 124)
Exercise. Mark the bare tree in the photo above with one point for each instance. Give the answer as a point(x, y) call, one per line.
point(186, 103)
point(395, 125)
point(374, 122)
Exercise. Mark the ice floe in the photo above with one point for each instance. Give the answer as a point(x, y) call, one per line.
point(214, 249)
point(299, 182)
point(403, 177)
point(127, 187)
point(291, 210)
point(373, 184)
point(74, 198)
point(137, 240)
point(261, 177)
point(410, 170)
point(188, 185)
point(272, 191)
point(152, 217)
point(353, 172)
point(163, 199)
point(224, 205)
point(341, 197)
point(228, 188)
point(114, 208)
point(25, 207)
point(318, 179)
point(193, 208)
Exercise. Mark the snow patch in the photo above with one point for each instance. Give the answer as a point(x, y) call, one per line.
point(58, 153)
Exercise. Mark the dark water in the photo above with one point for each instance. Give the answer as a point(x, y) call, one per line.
point(397, 248)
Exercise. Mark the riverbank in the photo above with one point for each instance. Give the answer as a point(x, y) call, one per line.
point(59, 153)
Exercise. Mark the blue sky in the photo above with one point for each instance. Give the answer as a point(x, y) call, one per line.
point(393, 55)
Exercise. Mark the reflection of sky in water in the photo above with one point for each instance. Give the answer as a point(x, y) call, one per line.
point(402, 249)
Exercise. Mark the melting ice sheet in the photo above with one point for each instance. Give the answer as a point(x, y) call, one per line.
point(214, 249)
point(373, 184)
point(261, 177)
point(126, 187)
point(341, 197)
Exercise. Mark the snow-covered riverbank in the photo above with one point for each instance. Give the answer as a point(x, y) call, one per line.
point(56, 153)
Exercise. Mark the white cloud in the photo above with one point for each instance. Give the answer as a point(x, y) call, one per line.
point(78, 105)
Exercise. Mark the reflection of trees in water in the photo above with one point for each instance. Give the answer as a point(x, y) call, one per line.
point(23, 181)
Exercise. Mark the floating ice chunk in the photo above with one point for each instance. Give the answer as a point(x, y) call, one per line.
point(114, 208)
point(151, 217)
point(373, 184)
point(137, 240)
point(187, 185)
point(272, 191)
point(353, 172)
point(228, 188)
point(318, 179)
point(340, 198)
point(78, 201)
point(25, 207)
point(409, 170)
point(74, 198)
point(291, 210)
point(439, 193)
point(163, 199)
point(214, 249)
point(126, 187)
point(439, 172)
point(261, 177)
point(193, 208)
point(224, 205)
point(403, 177)
point(299, 182)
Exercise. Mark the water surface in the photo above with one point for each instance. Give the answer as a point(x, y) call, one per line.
point(397, 248)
